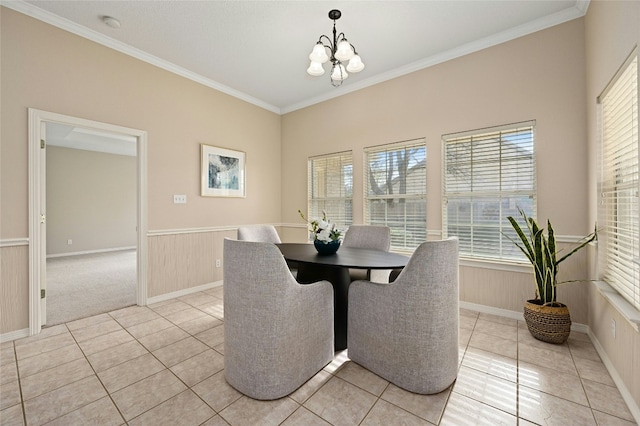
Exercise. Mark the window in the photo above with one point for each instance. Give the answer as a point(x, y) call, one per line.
point(488, 175)
point(396, 191)
point(618, 184)
point(330, 186)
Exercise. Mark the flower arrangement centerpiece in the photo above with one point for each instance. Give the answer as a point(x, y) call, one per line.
point(326, 234)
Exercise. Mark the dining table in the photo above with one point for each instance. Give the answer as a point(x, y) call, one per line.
point(313, 266)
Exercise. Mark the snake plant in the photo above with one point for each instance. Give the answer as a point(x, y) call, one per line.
point(540, 249)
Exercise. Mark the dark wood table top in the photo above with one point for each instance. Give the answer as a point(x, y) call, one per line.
point(346, 257)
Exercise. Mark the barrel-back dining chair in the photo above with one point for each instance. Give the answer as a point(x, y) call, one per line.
point(374, 237)
point(278, 333)
point(407, 331)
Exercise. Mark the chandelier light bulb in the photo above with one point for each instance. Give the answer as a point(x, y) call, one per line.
point(319, 54)
point(315, 69)
point(339, 73)
point(355, 64)
point(344, 52)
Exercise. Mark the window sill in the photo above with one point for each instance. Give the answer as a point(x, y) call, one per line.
point(497, 265)
point(630, 313)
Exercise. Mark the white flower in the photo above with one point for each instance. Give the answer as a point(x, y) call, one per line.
point(324, 235)
point(322, 224)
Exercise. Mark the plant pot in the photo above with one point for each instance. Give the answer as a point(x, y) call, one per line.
point(551, 324)
point(328, 248)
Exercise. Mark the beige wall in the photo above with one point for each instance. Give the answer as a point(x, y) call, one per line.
point(538, 77)
point(541, 76)
point(91, 200)
point(612, 29)
point(50, 69)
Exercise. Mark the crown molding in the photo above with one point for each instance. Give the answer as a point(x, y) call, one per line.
point(578, 11)
point(67, 25)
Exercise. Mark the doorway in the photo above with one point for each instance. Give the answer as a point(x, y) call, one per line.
point(95, 139)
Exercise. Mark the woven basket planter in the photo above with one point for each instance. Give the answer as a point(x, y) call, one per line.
point(550, 324)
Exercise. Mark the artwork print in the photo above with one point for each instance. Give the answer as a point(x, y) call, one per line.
point(223, 172)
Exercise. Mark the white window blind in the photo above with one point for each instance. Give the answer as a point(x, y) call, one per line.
point(488, 175)
point(618, 210)
point(396, 191)
point(330, 188)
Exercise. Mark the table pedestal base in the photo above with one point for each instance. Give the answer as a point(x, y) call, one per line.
point(339, 278)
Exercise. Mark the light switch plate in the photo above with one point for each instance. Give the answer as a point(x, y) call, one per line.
point(179, 199)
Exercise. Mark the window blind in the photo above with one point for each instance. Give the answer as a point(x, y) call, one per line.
point(330, 188)
point(488, 175)
point(618, 211)
point(395, 191)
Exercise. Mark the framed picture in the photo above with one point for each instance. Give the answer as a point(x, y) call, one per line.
point(222, 172)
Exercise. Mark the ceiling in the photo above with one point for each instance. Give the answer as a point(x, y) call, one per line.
point(90, 140)
point(258, 50)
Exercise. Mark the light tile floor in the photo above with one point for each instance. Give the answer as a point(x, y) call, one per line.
point(163, 365)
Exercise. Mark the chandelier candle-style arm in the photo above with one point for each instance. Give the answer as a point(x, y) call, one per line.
point(340, 51)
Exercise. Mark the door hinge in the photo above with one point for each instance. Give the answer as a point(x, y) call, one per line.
point(43, 218)
point(43, 292)
point(43, 144)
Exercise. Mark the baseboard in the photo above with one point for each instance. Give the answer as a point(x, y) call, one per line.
point(626, 395)
point(492, 310)
point(14, 335)
point(80, 253)
point(577, 327)
point(185, 292)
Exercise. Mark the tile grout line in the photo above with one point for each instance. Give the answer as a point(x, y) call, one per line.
point(165, 368)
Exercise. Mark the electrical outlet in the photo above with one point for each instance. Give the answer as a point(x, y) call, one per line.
point(69, 242)
point(613, 328)
point(179, 199)
point(218, 263)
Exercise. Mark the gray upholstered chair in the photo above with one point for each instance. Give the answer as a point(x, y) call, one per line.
point(278, 333)
point(407, 331)
point(264, 234)
point(369, 237)
point(261, 233)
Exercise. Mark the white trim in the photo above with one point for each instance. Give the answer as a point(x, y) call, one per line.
point(572, 239)
point(492, 310)
point(37, 245)
point(577, 327)
point(620, 304)
point(632, 405)
point(292, 225)
point(80, 253)
point(582, 6)
point(522, 267)
point(79, 30)
point(14, 335)
point(466, 49)
point(578, 11)
point(160, 232)
point(14, 242)
point(525, 268)
point(184, 292)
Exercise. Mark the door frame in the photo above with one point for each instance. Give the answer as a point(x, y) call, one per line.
point(37, 205)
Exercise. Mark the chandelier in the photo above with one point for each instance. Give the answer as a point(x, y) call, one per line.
point(341, 51)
